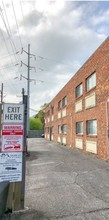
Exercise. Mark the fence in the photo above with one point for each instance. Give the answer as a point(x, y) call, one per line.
point(35, 133)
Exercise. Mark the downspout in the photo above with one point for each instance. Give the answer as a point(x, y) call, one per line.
point(71, 130)
point(107, 126)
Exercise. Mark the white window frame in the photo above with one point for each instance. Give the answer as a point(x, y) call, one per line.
point(52, 109)
point(79, 130)
point(60, 104)
point(91, 81)
point(91, 126)
point(59, 129)
point(52, 129)
point(80, 88)
point(64, 101)
point(64, 129)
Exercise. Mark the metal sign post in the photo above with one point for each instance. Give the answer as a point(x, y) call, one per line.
point(25, 150)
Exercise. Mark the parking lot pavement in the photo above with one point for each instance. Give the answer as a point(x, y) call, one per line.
point(65, 184)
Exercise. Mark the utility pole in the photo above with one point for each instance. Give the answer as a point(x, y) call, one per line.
point(1, 91)
point(24, 100)
point(28, 83)
point(28, 91)
point(2, 94)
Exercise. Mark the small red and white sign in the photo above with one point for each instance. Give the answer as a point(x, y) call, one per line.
point(12, 138)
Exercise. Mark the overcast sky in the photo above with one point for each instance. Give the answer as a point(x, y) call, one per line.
point(62, 35)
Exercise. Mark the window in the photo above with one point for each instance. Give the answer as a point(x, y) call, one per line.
point(59, 104)
point(91, 82)
point(79, 90)
point(52, 130)
point(91, 127)
point(79, 128)
point(64, 101)
point(64, 129)
point(52, 110)
point(59, 129)
point(48, 113)
point(48, 130)
point(45, 114)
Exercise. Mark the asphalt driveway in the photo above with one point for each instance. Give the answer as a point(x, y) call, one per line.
point(65, 184)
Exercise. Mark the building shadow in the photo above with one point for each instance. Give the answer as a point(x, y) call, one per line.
point(33, 155)
point(25, 215)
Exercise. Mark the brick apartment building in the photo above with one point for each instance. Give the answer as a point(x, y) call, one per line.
point(78, 116)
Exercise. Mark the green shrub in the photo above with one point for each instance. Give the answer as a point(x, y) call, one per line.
point(35, 124)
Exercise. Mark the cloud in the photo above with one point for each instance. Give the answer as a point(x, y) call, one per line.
point(102, 17)
point(62, 35)
point(32, 20)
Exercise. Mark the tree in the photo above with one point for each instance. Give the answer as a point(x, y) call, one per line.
point(35, 124)
point(44, 106)
point(40, 114)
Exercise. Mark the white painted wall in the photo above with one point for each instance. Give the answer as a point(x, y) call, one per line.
point(59, 114)
point(64, 112)
point(91, 146)
point(78, 106)
point(64, 140)
point(90, 101)
point(79, 143)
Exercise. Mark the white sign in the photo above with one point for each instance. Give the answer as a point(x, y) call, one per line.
point(11, 167)
point(13, 113)
point(12, 138)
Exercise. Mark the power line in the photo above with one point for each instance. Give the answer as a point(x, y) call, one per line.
point(53, 60)
point(6, 44)
point(2, 68)
point(23, 17)
point(9, 79)
point(31, 80)
point(10, 34)
point(3, 19)
point(21, 9)
point(2, 16)
point(12, 84)
point(17, 24)
point(11, 54)
point(34, 110)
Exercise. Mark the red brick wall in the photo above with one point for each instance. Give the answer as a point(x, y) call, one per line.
point(98, 62)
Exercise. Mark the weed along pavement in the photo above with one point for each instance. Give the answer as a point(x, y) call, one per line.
point(64, 183)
